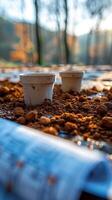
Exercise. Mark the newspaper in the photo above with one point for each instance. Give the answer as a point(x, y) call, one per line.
point(36, 166)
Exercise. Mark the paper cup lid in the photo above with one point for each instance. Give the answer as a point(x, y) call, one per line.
point(71, 73)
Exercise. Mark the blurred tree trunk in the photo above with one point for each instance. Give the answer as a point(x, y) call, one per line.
point(97, 40)
point(31, 36)
point(106, 51)
point(73, 53)
point(67, 53)
point(96, 8)
point(89, 38)
point(38, 37)
point(110, 55)
point(24, 31)
point(58, 30)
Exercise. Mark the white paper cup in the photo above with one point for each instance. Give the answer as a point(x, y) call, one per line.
point(71, 80)
point(37, 87)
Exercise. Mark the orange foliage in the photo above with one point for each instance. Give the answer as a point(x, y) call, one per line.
point(93, 49)
point(73, 43)
point(71, 40)
point(18, 55)
point(24, 46)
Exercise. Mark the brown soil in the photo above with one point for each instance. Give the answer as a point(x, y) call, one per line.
point(86, 113)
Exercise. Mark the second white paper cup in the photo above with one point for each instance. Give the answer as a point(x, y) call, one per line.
point(37, 87)
point(71, 80)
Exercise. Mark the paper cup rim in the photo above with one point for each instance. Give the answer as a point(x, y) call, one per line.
point(37, 74)
point(74, 73)
point(37, 78)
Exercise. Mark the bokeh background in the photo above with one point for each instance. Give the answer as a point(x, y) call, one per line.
point(56, 32)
